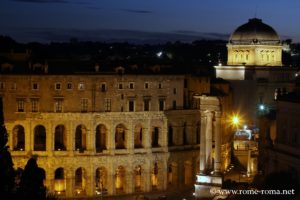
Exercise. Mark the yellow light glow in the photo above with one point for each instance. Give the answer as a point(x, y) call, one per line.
point(235, 120)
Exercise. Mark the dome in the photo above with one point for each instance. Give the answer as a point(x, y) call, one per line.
point(254, 32)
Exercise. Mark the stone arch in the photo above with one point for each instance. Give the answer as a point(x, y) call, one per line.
point(170, 135)
point(120, 181)
point(18, 138)
point(39, 138)
point(59, 180)
point(101, 180)
point(172, 173)
point(138, 136)
point(155, 136)
point(120, 136)
point(156, 172)
point(101, 134)
point(60, 138)
point(81, 137)
point(80, 180)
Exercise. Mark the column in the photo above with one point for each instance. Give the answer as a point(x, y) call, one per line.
point(130, 138)
point(70, 177)
point(146, 178)
point(208, 140)
point(202, 145)
point(129, 185)
point(111, 186)
point(217, 161)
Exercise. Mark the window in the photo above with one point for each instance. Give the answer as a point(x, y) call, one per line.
point(159, 86)
point(34, 105)
point(120, 86)
point(131, 105)
point(84, 105)
point(13, 86)
point(103, 87)
point(58, 105)
point(174, 105)
point(107, 105)
point(174, 91)
point(2, 86)
point(20, 105)
point(81, 86)
point(35, 86)
point(57, 86)
point(185, 83)
point(161, 104)
point(146, 104)
point(146, 86)
point(69, 86)
point(131, 85)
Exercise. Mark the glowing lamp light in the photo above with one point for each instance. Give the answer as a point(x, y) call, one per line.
point(262, 107)
point(235, 120)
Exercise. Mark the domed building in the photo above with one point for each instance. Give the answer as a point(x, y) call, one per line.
point(254, 43)
point(255, 65)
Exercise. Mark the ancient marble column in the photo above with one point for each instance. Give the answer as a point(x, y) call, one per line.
point(217, 133)
point(208, 141)
point(202, 144)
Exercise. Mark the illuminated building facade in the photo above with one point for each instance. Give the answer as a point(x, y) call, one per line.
point(255, 64)
point(110, 133)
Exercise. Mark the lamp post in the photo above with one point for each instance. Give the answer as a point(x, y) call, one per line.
point(235, 121)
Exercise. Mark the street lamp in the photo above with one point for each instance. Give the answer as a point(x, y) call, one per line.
point(235, 121)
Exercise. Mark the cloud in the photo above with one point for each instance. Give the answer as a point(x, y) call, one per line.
point(137, 11)
point(42, 1)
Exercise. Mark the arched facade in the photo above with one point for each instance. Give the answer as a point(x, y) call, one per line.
point(18, 138)
point(39, 138)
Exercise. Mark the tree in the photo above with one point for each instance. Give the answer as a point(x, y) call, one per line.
point(6, 164)
point(31, 184)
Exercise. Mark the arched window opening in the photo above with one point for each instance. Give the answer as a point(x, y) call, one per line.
point(155, 137)
point(100, 138)
point(138, 137)
point(170, 174)
point(80, 181)
point(18, 138)
point(59, 181)
point(80, 138)
point(101, 181)
point(60, 138)
point(154, 178)
point(120, 136)
point(170, 136)
point(39, 138)
point(138, 178)
point(120, 179)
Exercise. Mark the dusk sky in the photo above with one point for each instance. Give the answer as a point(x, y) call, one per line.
point(59, 20)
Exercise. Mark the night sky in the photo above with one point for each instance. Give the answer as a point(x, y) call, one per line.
point(143, 20)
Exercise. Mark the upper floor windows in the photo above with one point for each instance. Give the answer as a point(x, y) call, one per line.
point(81, 86)
point(159, 85)
point(69, 86)
point(2, 85)
point(131, 85)
point(20, 105)
point(103, 87)
point(84, 105)
point(34, 105)
point(107, 105)
point(120, 86)
point(146, 85)
point(57, 86)
point(35, 86)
